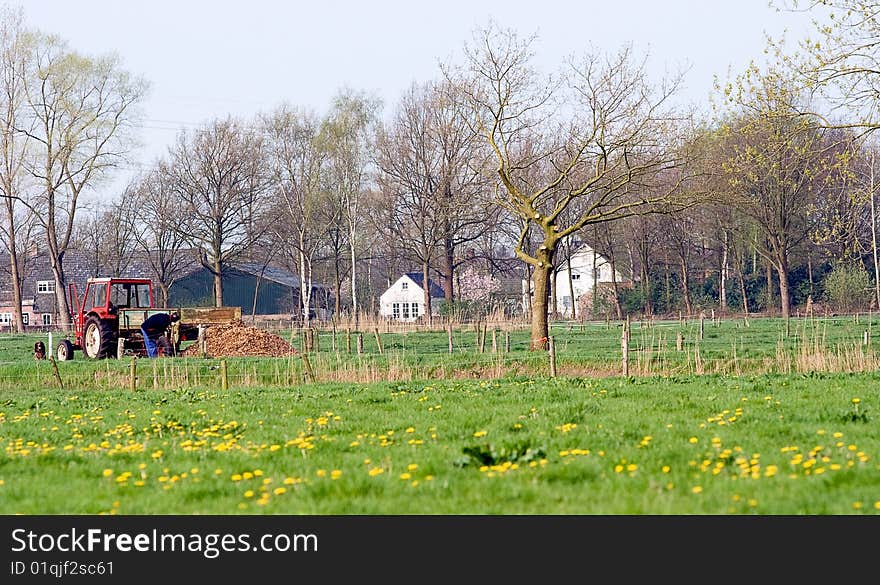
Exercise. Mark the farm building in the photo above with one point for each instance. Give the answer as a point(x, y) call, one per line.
point(587, 269)
point(405, 299)
point(256, 289)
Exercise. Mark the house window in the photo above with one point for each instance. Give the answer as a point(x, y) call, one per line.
point(5, 318)
point(404, 285)
point(25, 318)
point(406, 310)
point(395, 310)
point(575, 276)
point(45, 286)
point(415, 309)
point(47, 318)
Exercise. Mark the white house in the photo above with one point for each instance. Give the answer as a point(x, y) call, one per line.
point(588, 268)
point(405, 299)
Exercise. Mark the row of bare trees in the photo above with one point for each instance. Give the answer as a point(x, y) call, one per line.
point(494, 159)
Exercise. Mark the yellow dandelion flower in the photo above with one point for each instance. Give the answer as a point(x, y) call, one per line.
point(376, 471)
point(336, 474)
point(479, 434)
point(856, 400)
point(412, 466)
point(279, 490)
point(877, 504)
point(321, 473)
point(410, 430)
point(857, 505)
point(697, 489)
point(249, 494)
point(665, 469)
point(108, 472)
point(692, 440)
point(405, 476)
point(236, 477)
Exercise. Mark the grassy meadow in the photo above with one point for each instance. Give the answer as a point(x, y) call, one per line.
point(787, 425)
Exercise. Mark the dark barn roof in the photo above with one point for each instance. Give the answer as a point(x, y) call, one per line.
point(418, 278)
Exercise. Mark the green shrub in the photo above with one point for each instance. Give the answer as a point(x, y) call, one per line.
point(848, 287)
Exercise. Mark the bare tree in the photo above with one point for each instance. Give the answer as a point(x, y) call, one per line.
point(159, 228)
point(348, 134)
point(217, 175)
point(605, 144)
point(296, 159)
point(18, 218)
point(79, 111)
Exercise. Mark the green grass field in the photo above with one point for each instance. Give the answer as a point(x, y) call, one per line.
point(677, 443)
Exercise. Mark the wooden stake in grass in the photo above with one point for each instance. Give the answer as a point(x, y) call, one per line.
point(120, 348)
point(378, 340)
point(483, 338)
point(307, 367)
point(624, 350)
point(348, 339)
point(679, 341)
point(494, 341)
point(449, 335)
point(552, 356)
point(360, 343)
point(507, 342)
point(224, 376)
point(155, 374)
point(132, 375)
point(56, 372)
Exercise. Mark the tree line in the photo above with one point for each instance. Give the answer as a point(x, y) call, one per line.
point(764, 202)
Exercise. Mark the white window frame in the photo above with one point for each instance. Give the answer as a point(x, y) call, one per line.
point(395, 310)
point(46, 318)
point(575, 276)
point(404, 285)
point(26, 318)
point(46, 287)
point(5, 318)
point(405, 310)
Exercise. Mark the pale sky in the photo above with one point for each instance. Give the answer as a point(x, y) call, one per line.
point(209, 59)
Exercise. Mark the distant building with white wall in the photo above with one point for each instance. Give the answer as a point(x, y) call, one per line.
point(588, 269)
point(405, 299)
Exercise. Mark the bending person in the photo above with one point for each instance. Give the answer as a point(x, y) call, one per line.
point(155, 327)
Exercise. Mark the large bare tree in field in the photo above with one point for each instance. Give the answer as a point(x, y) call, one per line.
point(79, 114)
point(217, 174)
point(296, 161)
point(603, 133)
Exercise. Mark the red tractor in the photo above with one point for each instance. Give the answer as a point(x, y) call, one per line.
point(107, 322)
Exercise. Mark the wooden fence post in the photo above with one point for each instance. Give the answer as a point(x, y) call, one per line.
point(507, 342)
point(482, 335)
point(360, 343)
point(155, 374)
point(348, 339)
point(132, 375)
point(552, 357)
point(378, 340)
point(203, 342)
point(56, 372)
point(307, 367)
point(679, 341)
point(702, 317)
point(224, 376)
point(49, 347)
point(449, 335)
point(120, 348)
point(624, 350)
point(494, 341)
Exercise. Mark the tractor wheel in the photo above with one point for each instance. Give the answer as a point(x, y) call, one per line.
point(98, 339)
point(64, 350)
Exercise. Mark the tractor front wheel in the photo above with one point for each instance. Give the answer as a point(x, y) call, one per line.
point(64, 350)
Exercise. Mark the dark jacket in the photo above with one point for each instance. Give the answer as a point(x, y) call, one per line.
point(156, 324)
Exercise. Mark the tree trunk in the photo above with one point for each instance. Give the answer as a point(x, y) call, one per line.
point(685, 285)
point(874, 235)
point(540, 306)
point(217, 272)
point(769, 278)
point(571, 287)
point(722, 276)
point(427, 289)
point(784, 294)
point(15, 274)
point(448, 269)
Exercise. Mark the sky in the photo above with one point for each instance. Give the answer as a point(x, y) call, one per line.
point(206, 60)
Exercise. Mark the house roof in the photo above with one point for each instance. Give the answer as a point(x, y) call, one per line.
point(418, 278)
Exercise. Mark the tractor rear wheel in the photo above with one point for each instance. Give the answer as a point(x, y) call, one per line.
point(164, 348)
point(98, 339)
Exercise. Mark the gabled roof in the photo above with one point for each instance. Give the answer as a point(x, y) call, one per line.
point(417, 277)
